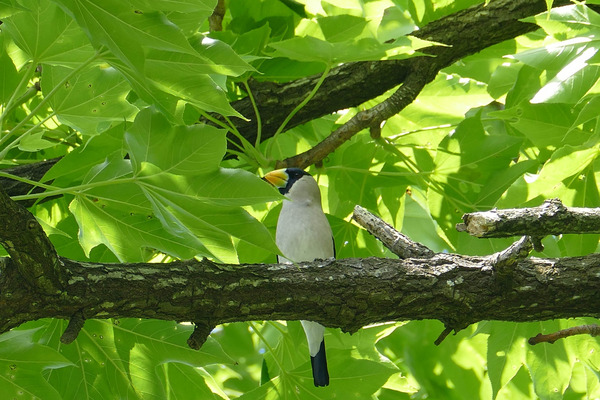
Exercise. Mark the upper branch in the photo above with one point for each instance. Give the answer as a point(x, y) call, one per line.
point(465, 32)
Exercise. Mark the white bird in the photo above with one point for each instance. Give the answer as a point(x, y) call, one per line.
point(303, 234)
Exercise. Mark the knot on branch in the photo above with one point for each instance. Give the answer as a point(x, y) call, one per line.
point(504, 261)
point(202, 330)
point(73, 328)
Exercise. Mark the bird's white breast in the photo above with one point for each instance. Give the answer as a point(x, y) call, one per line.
point(303, 232)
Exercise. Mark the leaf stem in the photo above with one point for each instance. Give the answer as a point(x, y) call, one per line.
point(267, 345)
point(70, 190)
point(256, 113)
point(45, 100)
point(15, 142)
point(299, 107)
point(26, 78)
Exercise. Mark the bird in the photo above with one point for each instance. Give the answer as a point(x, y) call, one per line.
point(304, 234)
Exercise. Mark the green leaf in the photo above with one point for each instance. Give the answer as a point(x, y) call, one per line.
point(183, 150)
point(213, 224)
point(35, 142)
point(155, 56)
point(181, 6)
point(309, 48)
point(126, 32)
point(152, 348)
point(562, 170)
point(22, 362)
point(89, 101)
point(120, 217)
point(549, 367)
point(72, 168)
point(464, 163)
point(9, 77)
point(544, 124)
point(339, 28)
point(48, 35)
point(571, 83)
point(456, 94)
point(505, 352)
point(396, 22)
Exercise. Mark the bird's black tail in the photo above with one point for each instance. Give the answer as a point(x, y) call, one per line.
point(319, 367)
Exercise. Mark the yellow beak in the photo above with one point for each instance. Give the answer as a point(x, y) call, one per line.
point(277, 178)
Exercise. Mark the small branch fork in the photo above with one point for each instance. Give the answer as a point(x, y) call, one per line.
point(551, 218)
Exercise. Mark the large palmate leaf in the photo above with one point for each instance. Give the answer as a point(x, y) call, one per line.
point(155, 56)
point(170, 196)
point(48, 35)
point(465, 162)
point(126, 358)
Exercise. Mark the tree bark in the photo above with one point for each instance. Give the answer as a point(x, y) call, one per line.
point(457, 290)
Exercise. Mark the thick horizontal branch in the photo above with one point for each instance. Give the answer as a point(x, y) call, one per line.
point(551, 218)
point(457, 290)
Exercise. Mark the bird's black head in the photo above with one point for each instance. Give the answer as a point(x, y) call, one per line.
point(284, 179)
point(293, 175)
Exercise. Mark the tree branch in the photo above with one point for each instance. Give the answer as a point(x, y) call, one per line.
point(30, 250)
point(593, 330)
point(465, 32)
point(455, 289)
point(399, 244)
point(351, 293)
point(551, 218)
point(372, 117)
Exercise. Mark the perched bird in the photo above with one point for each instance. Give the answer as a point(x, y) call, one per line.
point(303, 234)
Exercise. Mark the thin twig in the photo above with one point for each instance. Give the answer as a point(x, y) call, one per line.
point(593, 330)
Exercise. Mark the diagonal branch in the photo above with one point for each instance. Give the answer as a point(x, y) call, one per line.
point(465, 32)
point(399, 244)
point(372, 117)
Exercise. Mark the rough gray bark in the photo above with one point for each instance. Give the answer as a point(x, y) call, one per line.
point(457, 290)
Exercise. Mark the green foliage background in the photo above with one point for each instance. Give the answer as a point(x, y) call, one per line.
point(506, 127)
